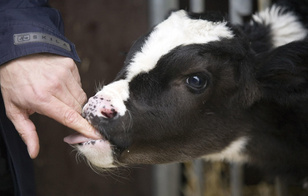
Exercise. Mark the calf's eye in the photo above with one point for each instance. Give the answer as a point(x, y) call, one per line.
point(196, 82)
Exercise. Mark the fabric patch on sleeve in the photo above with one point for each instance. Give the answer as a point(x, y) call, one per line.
point(32, 37)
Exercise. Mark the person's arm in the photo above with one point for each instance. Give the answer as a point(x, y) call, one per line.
point(43, 83)
point(29, 27)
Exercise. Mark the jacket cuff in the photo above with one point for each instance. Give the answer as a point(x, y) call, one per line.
point(33, 31)
point(22, 40)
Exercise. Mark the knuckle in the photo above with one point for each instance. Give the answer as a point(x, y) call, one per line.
point(41, 95)
point(10, 115)
point(55, 85)
point(83, 97)
point(62, 73)
point(70, 117)
point(69, 63)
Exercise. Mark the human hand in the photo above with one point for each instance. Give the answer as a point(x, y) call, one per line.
point(46, 84)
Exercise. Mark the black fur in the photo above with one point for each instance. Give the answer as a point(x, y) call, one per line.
point(251, 89)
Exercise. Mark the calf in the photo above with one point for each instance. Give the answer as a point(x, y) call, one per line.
point(197, 86)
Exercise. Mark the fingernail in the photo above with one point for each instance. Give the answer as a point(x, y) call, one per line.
point(96, 134)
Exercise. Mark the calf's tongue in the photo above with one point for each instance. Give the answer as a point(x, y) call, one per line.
point(76, 139)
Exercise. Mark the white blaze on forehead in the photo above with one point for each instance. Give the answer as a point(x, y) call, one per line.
point(177, 30)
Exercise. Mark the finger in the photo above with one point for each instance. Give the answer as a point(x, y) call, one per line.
point(76, 91)
point(64, 94)
point(74, 70)
point(76, 75)
point(70, 118)
point(27, 131)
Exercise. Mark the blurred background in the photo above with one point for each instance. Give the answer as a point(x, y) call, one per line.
point(103, 31)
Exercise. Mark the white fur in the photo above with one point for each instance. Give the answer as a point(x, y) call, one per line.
point(100, 154)
point(232, 153)
point(177, 30)
point(285, 26)
point(117, 92)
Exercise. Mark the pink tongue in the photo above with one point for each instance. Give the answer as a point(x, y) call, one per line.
point(76, 139)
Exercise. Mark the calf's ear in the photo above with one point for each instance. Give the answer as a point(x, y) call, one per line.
point(283, 73)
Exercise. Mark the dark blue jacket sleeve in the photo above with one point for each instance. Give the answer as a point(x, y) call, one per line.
point(31, 26)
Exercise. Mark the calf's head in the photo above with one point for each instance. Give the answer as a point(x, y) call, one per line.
point(182, 94)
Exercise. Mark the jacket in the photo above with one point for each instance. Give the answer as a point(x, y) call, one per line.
point(27, 27)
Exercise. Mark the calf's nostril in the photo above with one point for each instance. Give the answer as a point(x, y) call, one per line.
point(109, 113)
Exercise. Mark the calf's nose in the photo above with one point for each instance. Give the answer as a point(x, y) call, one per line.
point(98, 106)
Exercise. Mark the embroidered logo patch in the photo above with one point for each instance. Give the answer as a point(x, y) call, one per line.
point(25, 38)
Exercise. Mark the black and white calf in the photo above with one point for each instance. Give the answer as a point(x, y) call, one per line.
point(200, 87)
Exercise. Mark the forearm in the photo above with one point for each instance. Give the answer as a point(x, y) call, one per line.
point(28, 27)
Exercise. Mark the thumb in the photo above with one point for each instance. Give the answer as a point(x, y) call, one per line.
point(27, 131)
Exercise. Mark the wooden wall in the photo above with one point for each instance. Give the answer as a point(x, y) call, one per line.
point(103, 31)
